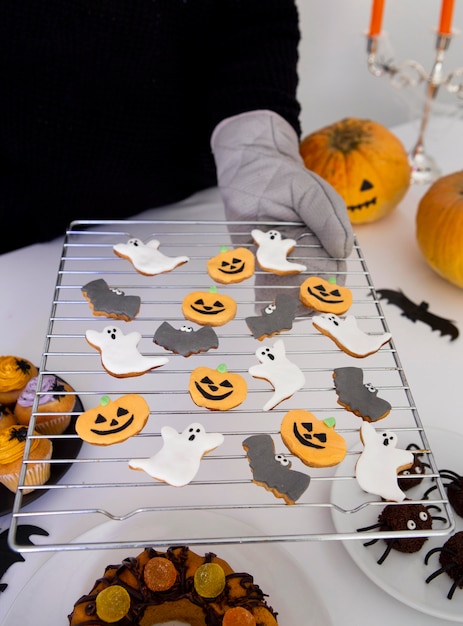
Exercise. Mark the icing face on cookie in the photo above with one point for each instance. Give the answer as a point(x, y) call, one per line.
point(110, 301)
point(186, 340)
point(379, 463)
point(345, 332)
point(273, 250)
point(275, 317)
point(147, 259)
point(217, 389)
point(209, 308)
point(325, 295)
point(178, 461)
point(120, 356)
point(314, 441)
point(284, 375)
point(359, 397)
point(273, 471)
point(113, 421)
point(231, 265)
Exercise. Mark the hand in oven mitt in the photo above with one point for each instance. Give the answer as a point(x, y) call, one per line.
point(262, 177)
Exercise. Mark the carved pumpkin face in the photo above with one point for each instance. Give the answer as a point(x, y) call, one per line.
point(208, 308)
point(217, 389)
point(325, 295)
point(314, 441)
point(231, 265)
point(113, 421)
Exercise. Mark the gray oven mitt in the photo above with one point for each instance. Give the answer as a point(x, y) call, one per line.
point(262, 177)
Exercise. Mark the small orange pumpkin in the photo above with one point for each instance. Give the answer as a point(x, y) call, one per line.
point(113, 421)
point(209, 308)
point(439, 227)
point(324, 295)
point(364, 161)
point(217, 389)
point(231, 265)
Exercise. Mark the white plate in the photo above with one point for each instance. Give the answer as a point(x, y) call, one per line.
point(403, 575)
point(67, 575)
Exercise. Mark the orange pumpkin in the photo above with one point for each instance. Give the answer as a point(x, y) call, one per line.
point(113, 421)
point(324, 295)
point(209, 308)
point(439, 227)
point(217, 389)
point(366, 164)
point(231, 265)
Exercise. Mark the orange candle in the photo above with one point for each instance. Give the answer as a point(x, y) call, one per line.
point(446, 14)
point(377, 10)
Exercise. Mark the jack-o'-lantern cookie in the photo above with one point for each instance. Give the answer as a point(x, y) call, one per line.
point(217, 389)
point(113, 421)
point(325, 295)
point(209, 308)
point(231, 265)
point(315, 442)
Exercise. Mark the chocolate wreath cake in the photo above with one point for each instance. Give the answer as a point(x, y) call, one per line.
point(156, 587)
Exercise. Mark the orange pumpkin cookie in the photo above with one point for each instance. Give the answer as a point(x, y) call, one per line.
point(217, 389)
point(113, 421)
point(325, 295)
point(231, 265)
point(208, 308)
point(315, 442)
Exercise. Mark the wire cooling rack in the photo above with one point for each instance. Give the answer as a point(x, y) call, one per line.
point(100, 486)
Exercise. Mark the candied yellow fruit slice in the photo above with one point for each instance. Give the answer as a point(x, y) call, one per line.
point(238, 616)
point(209, 580)
point(112, 604)
point(159, 574)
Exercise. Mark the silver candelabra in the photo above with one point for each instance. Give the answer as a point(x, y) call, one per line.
point(409, 74)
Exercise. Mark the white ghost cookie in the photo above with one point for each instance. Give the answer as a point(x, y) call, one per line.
point(348, 336)
point(378, 465)
point(146, 258)
point(177, 462)
point(272, 252)
point(120, 356)
point(285, 376)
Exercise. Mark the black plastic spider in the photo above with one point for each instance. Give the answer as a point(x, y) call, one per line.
point(404, 516)
point(418, 469)
point(454, 489)
point(451, 559)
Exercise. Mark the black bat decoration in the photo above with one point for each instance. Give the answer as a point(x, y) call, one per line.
point(109, 301)
point(273, 471)
point(419, 312)
point(359, 397)
point(185, 340)
point(274, 318)
point(8, 556)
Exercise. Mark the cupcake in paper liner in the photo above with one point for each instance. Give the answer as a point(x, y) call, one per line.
point(15, 373)
point(56, 401)
point(12, 444)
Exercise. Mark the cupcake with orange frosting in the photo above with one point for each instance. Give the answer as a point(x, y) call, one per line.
point(56, 400)
point(7, 417)
point(12, 445)
point(15, 373)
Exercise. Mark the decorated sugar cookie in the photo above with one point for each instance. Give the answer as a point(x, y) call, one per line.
point(146, 258)
point(231, 265)
point(325, 295)
point(359, 397)
point(120, 356)
point(272, 252)
point(275, 318)
point(209, 308)
point(185, 340)
point(273, 471)
point(379, 463)
point(284, 375)
point(219, 389)
point(314, 441)
point(346, 334)
point(178, 461)
point(113, 421)
point(110, 301)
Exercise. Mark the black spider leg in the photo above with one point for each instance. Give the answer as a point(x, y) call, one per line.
point(438, 518)
point(445, 569)
point(450, 474)
point(366, 528)
point(389, 546)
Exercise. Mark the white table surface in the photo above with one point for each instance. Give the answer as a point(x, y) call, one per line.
point(433, 364)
